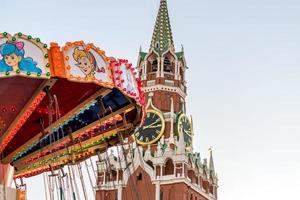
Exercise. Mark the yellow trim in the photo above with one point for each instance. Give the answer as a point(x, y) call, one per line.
point(178, 130)
point(162, 130)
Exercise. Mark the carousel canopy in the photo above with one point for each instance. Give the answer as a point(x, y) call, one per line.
point(59, 106)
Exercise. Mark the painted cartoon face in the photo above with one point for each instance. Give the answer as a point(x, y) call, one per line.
point(85, 65)
point(12, 60)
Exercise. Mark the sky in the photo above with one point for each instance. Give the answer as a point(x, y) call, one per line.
point(243, 77)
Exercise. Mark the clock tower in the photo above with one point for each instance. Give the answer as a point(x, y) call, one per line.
point(162, 71)
point(159, 163)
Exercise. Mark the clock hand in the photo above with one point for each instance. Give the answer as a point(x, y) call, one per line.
point(156, 126)
point(145, 127)
point(187, 132)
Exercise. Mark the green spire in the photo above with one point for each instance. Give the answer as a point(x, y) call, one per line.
point(162, 38)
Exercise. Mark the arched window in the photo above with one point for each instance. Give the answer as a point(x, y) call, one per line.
point(154, 65)
point(139, 176)
point(161, 195)
point(181, 73)
point(157, 45)
point(167, 65)
point(191, 175)
point(169, 167)
point(113, 175)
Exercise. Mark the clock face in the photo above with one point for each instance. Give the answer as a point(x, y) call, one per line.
point(184, 128)
point(151, 130)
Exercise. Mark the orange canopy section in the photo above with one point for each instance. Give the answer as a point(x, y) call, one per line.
point(60, 105)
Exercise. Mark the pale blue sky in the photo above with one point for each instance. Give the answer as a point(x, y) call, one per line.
point(243, 77)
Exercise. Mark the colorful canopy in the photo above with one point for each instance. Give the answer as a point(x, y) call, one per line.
point(62, 105)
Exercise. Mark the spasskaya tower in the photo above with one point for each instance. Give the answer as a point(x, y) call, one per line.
point(160, 163)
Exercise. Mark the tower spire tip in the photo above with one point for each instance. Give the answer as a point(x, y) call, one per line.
point(162, 38)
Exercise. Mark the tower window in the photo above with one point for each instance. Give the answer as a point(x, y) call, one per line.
point(154, 66)
point(167, 65)
point(181, 74)
point(140, 177)
point(169, 167)
point(161, 195)
point(157, 45)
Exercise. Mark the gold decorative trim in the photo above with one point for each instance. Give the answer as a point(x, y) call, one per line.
point(161, 131)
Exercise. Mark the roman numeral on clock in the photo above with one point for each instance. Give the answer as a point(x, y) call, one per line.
point(137, 134)
point(141, 138)
point(157, 132)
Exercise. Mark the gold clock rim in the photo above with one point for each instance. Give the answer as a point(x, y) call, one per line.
point(178, 130)
point(161, 132)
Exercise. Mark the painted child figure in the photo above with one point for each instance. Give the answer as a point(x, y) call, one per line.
point(13, 58)
point(87, 63)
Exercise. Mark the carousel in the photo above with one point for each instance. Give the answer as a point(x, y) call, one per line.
point(59, 106)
